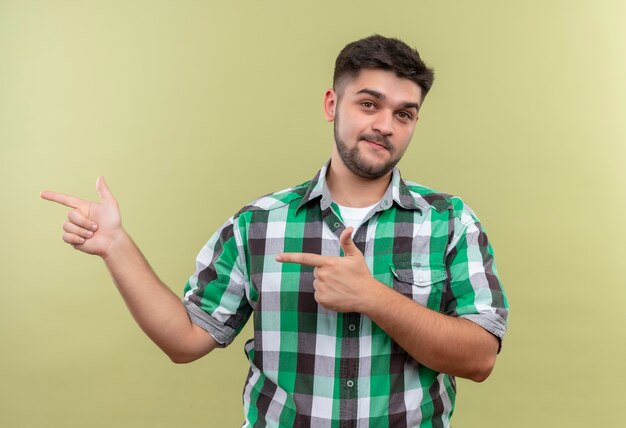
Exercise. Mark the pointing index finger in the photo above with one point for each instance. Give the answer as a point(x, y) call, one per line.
point(60, 198)
point(307, 259)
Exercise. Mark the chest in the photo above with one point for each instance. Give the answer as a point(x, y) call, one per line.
point(403, 249)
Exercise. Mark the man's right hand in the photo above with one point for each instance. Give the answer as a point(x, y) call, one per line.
point(96, 228)
point(92, 227)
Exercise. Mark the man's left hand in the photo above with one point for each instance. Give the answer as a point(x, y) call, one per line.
point(340, 282)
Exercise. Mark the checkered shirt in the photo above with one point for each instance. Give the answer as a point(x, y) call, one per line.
point(313, 367)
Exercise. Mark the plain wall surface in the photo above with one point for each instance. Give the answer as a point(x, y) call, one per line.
point(191, 109)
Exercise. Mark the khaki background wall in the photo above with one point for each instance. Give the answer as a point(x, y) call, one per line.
point(191, 109)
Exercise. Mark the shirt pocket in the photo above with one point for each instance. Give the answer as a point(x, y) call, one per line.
point(422, 283)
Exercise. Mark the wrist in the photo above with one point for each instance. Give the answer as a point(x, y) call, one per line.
point(116, 248)
point(373, 298)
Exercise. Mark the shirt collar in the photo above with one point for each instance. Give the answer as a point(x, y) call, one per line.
point(397, 192)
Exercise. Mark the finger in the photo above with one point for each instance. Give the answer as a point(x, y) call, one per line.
point(80, 220)
point(306, 259)
point(103, 189)
point(60, 198)
point(72, 239)
point(70, 227)
point(347, 245)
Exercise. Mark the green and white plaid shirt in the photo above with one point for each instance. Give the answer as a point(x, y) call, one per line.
point(310, 366)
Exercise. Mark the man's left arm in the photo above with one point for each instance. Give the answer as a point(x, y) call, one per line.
point(445, 343)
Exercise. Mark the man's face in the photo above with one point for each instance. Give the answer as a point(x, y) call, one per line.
point(374, 117)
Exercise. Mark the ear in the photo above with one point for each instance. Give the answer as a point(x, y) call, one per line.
point(330, 104)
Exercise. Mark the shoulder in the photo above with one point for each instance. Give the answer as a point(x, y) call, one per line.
point(276, 200)
point(453, 205)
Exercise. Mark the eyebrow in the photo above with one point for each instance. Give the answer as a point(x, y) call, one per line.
point(382, 97)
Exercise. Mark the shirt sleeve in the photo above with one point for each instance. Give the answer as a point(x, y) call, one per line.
point(215, 295)
point(475, 291)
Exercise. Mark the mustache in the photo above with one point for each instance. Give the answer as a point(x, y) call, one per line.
point(378, 139)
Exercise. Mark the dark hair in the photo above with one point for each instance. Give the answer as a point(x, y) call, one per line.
point(383, 53)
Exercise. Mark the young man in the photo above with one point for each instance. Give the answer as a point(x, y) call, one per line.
point(369, 294)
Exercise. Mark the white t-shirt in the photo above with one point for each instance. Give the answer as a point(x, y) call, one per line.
point(354, 216)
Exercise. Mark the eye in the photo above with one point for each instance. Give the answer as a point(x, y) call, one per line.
point(368, 105)
point(405, 115)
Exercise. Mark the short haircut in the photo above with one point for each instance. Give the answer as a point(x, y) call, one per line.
point(382, 53)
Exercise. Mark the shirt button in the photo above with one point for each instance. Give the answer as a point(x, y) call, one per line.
point(336, 225)
point(349, 384)
point(351, 327)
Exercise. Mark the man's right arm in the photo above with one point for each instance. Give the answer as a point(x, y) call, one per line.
point(96, 228)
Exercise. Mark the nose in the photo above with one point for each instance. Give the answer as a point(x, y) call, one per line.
point(383, 123)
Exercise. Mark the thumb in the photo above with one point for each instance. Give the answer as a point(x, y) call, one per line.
point(347, 245)
point(103, 189)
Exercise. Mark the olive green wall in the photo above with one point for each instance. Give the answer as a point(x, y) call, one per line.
point(191, 109)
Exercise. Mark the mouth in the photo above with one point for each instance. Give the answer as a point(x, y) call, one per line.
point(376, 145)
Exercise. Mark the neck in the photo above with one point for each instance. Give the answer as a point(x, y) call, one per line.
point(350, 190)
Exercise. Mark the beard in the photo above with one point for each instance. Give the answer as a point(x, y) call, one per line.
point(352, 158)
